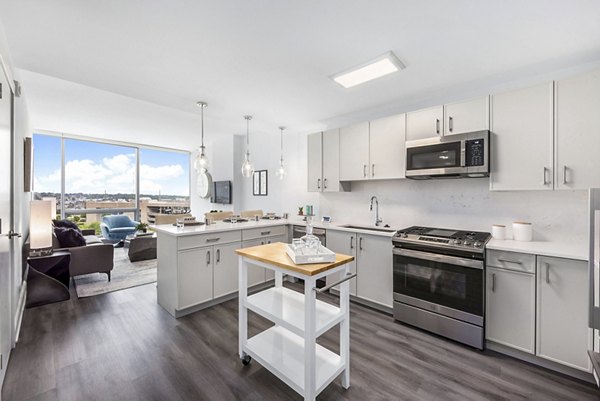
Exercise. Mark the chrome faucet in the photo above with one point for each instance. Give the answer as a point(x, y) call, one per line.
point(378, 220)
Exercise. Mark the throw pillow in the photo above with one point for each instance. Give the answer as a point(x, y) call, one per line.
point(69, 237)
point(66, 224)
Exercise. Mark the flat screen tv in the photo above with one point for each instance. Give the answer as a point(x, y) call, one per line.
point(222, 192)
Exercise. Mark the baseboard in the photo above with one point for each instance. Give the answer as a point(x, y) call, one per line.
point(365, 302)
point(535, 360)
point(20, 311)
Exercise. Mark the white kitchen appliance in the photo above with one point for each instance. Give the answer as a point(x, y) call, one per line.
point(594, 278)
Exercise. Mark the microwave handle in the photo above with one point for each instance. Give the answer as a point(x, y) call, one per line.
point(463, 153)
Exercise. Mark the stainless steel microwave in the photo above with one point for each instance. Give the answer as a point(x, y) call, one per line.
point(452, 156)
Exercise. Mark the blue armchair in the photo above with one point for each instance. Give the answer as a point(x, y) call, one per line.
point(116, 227)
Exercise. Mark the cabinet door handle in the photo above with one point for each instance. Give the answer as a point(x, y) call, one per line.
point(450, 123)
point(547, 273)
point(565, 175)
point(324, 183)
point(493, 282)
point(364, 171)
point(437, 126)
point(213, 239)
point(373, 170)
point(218, 255)
point(518, 262)
point(318, 183)
point(360, 243)
point(208, 257)
point(545, 175)
point(352, 242)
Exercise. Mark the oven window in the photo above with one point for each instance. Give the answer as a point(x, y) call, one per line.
point(444, 284)
point(443, 155)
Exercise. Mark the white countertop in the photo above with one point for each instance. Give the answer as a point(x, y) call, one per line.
point(573, 250)
point(221, 227)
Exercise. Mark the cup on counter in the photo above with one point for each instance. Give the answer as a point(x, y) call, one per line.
point(286, 216)
point(179, 223)
point(233, 218)
point(522, 231)
point(499, 231)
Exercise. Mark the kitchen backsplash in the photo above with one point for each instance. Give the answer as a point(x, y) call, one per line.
point(463, 203)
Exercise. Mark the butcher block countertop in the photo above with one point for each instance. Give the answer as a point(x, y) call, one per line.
point(275, 254)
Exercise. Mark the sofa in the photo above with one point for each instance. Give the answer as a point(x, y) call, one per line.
point(93, 257)
point(116, 227)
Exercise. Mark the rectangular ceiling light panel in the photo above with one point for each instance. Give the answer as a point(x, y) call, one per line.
point(373, 69)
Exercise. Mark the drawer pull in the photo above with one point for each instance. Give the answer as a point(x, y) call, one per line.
point(218, 255)
point(518, 262)
point(493, 282)
point(212, 239)
point(547, 273)
point(208, 257)
point(265, 232)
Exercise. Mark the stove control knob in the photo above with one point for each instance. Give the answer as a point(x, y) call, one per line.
point(458, 242)
point(468, 243)
point(404, 235)
point(477, 244)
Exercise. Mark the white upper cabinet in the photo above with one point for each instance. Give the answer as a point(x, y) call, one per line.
point(425, 123)
point(467, 116)
point(577, 134)
point(354, 152)
point(521, 140)
point(331, 161)
point(387, 149)
point(314, 159)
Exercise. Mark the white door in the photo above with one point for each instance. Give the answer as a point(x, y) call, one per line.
point(522, 139)
point(354, 152)
point(577, 102)
point(425, 123)
point(331, 160)
point(344, 243)
point(510, 309)
point(270, 274)
point(375, 271)
point(387, 147)
point(225, 272)
point(314, 160)
point(6, 222)
point(563, 334)
point(467, 116)
point(195, 276)
point(256, 274)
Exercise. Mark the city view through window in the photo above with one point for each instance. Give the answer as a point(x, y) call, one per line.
point(102, 177)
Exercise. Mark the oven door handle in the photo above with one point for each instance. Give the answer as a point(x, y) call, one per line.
point(452, 260)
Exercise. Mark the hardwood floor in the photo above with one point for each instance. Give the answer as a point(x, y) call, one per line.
point(123, 346)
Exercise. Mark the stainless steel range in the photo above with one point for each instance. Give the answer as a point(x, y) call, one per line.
point(439, 281)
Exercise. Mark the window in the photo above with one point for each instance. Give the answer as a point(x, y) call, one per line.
point(101, 178)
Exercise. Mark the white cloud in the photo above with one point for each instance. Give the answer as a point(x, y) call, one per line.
point(114, 175)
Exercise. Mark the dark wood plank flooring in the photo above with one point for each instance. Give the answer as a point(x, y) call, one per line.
point(123, 346)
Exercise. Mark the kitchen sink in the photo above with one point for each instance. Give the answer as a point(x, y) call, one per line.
point(379, 229)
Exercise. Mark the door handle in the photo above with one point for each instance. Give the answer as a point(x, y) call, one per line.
point(352, 242)
point(360, 243)
point(364, 171)
point(545, 175)
point(437, 126)
point(565, 175)
point(318, 183)
point(373, 170)
point(547, 273)
point(218, 255)
point(208, 257)
point(493, 282)
point(450, 123)
point(324, 183)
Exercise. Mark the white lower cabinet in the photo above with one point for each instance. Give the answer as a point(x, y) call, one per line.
point(374, 266)
point(510, 308)
point(345, 243)
point(270, 274)
point(256, 274)
point(225, 269)
point(563, 335)
point(195, 279)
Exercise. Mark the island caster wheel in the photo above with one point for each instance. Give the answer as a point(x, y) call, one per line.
point(246, 360)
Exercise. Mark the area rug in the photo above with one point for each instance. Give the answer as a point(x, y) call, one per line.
point(125, 274)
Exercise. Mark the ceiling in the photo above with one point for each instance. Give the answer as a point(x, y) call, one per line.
point(273, 58)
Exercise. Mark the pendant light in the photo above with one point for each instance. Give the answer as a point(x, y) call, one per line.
point(247, 167)
point(201, 161)
point(281, 173)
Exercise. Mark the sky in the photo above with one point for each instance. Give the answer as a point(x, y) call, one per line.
point(92, 167)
